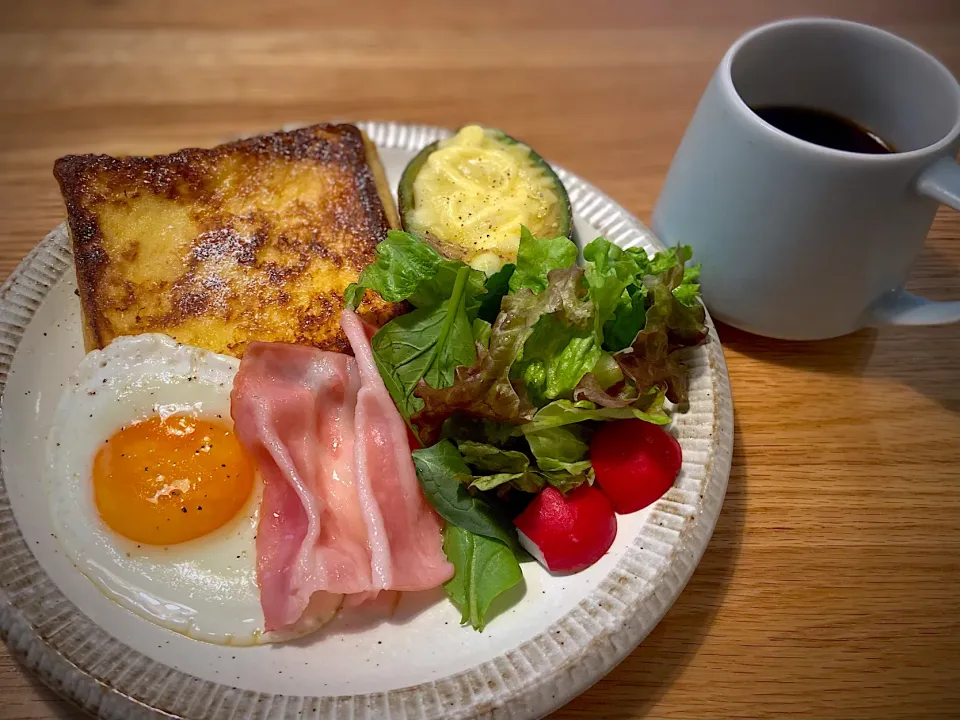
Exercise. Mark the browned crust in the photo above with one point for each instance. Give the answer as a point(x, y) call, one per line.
point(380, 179)
point(343, 233)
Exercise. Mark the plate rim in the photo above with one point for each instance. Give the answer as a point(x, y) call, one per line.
point(532, 679)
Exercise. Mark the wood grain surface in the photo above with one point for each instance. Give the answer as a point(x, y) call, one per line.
point(831, 588)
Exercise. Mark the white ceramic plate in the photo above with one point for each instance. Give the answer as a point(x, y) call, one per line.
point(562, 635)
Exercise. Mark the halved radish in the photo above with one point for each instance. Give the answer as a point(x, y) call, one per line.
point(636, 462)
point(567, 533)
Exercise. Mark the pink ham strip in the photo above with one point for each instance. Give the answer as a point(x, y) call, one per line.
point(342, 518)
point(406, 546)
point(293, 409)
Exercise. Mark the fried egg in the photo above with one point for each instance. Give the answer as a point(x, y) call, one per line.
point(152, 496)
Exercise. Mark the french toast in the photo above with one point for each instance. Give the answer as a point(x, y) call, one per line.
point(251, 240)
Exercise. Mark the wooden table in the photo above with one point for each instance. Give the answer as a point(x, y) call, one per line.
point(832, 585)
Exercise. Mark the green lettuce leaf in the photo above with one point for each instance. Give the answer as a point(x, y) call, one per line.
point(689, 289)
point(487, 458)
point(686, 321)
point(609, 272)
point(485, 569)
point(528, 481)
point(536, 257)
point(560, 449)
point(481, 332)
point(407, 269)
point(670, 323)
point(565, 482)
point(494, 467)
point(567, 412)
point(555, 357)
point(662, 261)
point(563, 345)
point(621, 329)
point(606, 372)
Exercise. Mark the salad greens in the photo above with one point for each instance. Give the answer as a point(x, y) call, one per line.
point(535, 259)
point(485, 569)
point(481, 544)
point(430, 342)
point(444, 476)
point(505, 378)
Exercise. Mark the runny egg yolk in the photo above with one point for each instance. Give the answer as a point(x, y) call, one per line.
point(163, 481)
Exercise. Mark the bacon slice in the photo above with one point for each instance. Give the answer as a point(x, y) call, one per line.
point(293, 409)
point(406, 546)
point(342, 517)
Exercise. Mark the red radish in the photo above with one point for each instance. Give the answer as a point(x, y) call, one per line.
point(567, 533)
point(636, 462)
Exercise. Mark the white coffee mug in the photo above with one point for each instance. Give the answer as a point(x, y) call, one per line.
point(800, 241)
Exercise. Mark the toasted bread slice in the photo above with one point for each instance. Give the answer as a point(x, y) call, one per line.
point(252, 240)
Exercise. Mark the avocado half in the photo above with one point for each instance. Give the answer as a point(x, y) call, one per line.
point(563, 213)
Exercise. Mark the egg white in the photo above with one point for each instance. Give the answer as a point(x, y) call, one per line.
point(204, 588)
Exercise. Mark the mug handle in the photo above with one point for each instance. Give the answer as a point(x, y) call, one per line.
point(940, 181)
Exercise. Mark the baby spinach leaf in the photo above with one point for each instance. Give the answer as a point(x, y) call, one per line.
point(484, 569)
point(440, 469)
point(427, 344)
point(443, 283)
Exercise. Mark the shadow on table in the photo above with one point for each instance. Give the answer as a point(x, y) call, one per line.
point(635, 685)
point(847, 355)
point(918, 357)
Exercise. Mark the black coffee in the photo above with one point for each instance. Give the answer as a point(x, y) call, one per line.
point(824, 128)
